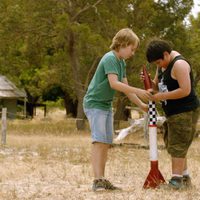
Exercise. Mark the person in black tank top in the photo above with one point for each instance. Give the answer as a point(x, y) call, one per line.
point(173, 86)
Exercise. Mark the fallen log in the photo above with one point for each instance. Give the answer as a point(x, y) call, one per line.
point(139, 125)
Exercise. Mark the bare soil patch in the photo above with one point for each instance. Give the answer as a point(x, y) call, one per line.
point(48, 160)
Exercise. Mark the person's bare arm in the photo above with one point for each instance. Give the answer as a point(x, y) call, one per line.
point(125, 81)
point(133, 98)
point(120, 86)
point(180, 72)
point(155, 82)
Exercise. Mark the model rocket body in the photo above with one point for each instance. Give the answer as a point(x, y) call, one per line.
point(147, 79)
point(155, 177)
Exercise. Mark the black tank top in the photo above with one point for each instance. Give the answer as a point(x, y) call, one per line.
point(167, 83)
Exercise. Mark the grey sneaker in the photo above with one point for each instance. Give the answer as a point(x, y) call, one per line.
point(103, 184)
point(187, 181)
point(176, 183)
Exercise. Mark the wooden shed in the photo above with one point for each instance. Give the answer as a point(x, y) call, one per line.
point(9, 94)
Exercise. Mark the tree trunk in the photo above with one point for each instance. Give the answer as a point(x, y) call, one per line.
point(30, 109)
point(70, 105)
point(196, 79)
point(80, 119)
point(78, 87)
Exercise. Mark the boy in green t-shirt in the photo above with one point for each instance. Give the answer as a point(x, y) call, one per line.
point(109, 77)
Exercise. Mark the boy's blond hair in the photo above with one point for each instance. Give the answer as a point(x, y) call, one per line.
point(124, 38)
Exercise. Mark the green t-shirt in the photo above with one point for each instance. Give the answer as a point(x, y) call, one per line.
point(100, 94)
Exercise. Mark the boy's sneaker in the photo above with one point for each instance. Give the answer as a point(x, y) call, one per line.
point(176, 182)
point(187, 181)
point(103, 184)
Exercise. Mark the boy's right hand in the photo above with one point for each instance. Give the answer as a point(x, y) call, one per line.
point(144, 107)
point(144, 94)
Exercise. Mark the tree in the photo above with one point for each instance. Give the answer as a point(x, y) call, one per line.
point(70, 41)
point(193, 47)
point(59, 42)
point(23, 44)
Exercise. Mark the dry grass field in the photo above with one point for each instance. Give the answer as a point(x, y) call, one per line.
point(47, 159)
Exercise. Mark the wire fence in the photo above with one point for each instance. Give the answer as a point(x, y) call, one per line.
point(14, 115)
point(3, 125)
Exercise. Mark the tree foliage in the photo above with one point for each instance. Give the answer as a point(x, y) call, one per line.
point(58, 43)
point(193, 47)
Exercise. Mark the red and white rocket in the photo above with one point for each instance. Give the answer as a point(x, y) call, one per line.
point(155, 177)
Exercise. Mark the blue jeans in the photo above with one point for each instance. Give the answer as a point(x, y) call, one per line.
point(101, 125)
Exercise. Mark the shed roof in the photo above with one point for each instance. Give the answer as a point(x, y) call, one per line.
point(9, 90)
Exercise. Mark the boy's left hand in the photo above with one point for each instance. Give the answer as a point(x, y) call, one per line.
point(144, 94)
point(144, 107)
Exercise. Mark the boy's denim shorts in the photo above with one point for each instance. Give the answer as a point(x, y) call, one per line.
point(101, 125)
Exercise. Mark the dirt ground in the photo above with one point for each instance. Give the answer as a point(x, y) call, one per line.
point(40, 163)
point(58, 168)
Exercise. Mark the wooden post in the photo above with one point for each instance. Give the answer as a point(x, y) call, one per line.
point(4, 126)
point(25, 100)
